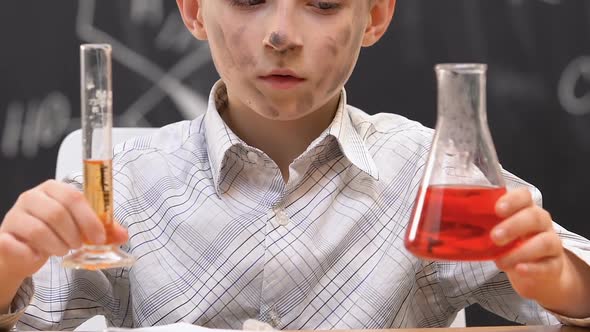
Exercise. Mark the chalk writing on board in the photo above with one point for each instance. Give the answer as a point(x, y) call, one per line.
point(167, 81)
point(576, 73)
point(35, 124)
point(522, 2)
point(41, 122)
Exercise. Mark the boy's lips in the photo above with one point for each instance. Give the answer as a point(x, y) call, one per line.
point(282, 79)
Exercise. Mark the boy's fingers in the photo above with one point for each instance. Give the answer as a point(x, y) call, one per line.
point(37, 235)
point(542, 269)
point(86, 219)
point(513, 201)
point(542, 246)
point(120, 234)
point(523, 223)
point(526, 277)
point(18, 258)
point(56, 216)
point(15, 250)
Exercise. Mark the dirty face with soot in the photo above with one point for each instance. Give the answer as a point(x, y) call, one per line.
point(284, 59)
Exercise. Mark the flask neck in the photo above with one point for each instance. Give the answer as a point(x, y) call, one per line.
point(463, 142)
point(462, 95)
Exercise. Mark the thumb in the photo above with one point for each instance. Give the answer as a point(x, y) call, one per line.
point(120, 234)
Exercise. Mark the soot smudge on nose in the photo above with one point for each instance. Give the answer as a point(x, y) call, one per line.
point(277, 39)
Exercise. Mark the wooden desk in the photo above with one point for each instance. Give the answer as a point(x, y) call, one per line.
point(555, 328)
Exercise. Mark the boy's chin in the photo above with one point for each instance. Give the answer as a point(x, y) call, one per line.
point(282, 112)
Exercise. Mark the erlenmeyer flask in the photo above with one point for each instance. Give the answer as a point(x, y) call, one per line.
point(454, 210)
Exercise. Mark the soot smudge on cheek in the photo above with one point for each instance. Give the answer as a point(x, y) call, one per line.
point(345, 36)
point(305, 103)
point(335, 45)
point(325, 77)
point(219, 37)
point(332, 46)
point(244, 58)
point(348, 50)
point(261, 100)
point(273, 112)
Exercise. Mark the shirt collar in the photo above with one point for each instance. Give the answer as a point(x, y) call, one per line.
point(352, 145)
point(220, 138)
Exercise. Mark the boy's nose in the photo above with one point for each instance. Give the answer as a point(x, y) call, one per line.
point(280, 42)
point(283, 34)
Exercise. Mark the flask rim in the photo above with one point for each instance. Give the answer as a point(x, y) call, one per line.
point(96, 47)
point(462, 68)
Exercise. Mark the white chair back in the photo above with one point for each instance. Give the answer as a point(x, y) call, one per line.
point(69, 155)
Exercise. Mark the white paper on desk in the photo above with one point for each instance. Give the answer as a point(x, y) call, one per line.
point(250, 325)
point(177, 327)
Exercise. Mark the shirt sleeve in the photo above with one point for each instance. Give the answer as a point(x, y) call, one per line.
point(580, 247)
point(61, 299)
point(465, 283)
point(19, 304)
point(65, 298)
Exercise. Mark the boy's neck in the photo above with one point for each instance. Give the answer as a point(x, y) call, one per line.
point(282, 141)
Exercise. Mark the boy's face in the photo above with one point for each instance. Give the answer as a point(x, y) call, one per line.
point(282, 58)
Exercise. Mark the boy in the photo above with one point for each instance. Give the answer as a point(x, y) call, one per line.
point(282, 203)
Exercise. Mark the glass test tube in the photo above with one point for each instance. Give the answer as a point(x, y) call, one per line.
point(97, 117)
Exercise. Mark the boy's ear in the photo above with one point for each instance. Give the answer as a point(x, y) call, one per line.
point(380, 16)
point(192, 16)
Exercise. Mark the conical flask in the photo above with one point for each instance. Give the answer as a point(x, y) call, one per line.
point(454, 210)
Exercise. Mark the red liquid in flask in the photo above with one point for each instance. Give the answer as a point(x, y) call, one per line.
point(455, 224)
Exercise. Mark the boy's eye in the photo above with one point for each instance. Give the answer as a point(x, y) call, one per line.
point(326, 5)
point(246, 3)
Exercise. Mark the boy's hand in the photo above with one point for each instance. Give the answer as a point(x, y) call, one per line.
point(48, 220)
point(540, 268)
point(540, 258)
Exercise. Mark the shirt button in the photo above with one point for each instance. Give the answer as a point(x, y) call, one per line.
point(275, 319)
point(282, 218)
point(253, 157)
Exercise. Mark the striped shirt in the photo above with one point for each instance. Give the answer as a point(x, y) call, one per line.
point(220, 237)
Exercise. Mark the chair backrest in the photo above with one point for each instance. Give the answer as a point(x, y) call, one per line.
point(69, 155)
point(460, 320)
